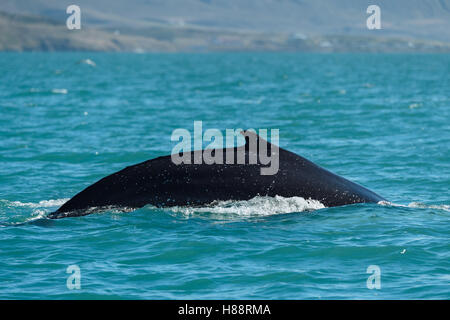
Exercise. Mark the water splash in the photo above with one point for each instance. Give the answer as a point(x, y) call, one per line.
point(258, 206)
point(19, 212)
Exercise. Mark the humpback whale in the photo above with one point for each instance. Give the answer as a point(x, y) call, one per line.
point(162, 183)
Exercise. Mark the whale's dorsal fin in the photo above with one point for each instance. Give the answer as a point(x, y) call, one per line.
point(253, 141)
point(251, 134)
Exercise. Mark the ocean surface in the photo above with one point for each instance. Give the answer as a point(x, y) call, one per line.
point(69, 119)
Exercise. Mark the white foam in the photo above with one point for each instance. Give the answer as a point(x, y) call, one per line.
point(60, 91)
point(38, 210)
point(445, 207)
point(88, 62)
point(40, 204)
point(420, 205)
point(258, 206)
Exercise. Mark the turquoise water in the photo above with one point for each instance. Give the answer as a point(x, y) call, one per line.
point(379, 120)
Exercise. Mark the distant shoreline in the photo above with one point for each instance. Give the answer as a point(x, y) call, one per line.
point(25, 33)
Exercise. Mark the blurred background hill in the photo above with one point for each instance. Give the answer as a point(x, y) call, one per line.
point(226, 25)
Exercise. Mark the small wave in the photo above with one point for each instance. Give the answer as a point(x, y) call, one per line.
point(258, 206)
point(253, 101)
point(84, 212)
point(36, 215)
point(88, 62)
point(445, 207)
point(414, 105)
point(47, 91)
point(40, 204)
point(19, 213)
point(60, 91)
point(420, 205)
